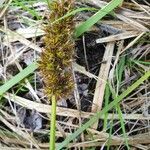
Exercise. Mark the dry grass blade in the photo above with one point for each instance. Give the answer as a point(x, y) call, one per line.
point(3, 10)
point(82, 70)
point(16, 37)
point(133, 42)
point(133, 23)
point(19, 132)
point(43, 108)
point(103, 74)
point(118, 37)
point(135, 141)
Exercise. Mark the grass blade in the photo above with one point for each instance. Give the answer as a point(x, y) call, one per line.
point(74, 12)
point(17, 78)
point(97, 16)
point(106, 98)
point(119, 75)
point(122, 125)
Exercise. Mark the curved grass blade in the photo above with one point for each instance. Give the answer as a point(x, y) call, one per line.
point(74, 12)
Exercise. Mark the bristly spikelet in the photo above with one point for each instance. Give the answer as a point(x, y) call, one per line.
point(56, 59)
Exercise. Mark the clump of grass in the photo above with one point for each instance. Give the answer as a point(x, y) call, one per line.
point(94, 118)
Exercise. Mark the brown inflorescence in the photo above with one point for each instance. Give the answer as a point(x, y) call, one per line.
point(56, 58)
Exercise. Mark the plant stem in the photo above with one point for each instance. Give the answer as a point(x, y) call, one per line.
point(53, 124)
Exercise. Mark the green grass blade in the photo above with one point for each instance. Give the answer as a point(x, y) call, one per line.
point(119, 76)
point(74, 12)
point(120, 69)
point(99, 114)
point(17, 78)
point(106, 98)
point(122, 125)
point(24, 7)
point(110, 133)
point(141, 62)
point(97, 16)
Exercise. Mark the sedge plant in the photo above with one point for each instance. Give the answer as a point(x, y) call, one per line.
point(55, 62)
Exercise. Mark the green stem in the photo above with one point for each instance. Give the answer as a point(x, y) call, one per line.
point(53, 124)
